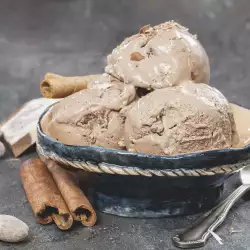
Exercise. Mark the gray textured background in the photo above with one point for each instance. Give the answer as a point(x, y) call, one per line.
point(73, 37)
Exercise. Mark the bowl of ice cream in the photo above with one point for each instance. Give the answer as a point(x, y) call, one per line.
point(156, 135)
point(146, 185)
point(156, 139)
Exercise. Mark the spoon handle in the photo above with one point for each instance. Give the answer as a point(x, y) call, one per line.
point(198, 234)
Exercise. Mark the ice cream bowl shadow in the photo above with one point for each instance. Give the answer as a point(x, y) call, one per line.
point(142, 185)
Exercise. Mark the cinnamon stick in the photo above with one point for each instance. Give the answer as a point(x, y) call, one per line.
point(56, 86)
point(43, 195)
point(78, 204)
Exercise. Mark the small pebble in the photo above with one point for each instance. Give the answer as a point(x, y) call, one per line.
point(2, 149)
point(12, 229)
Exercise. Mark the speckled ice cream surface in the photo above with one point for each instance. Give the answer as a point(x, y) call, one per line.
point(91, 117)
point(178, 120)
point(161, 56)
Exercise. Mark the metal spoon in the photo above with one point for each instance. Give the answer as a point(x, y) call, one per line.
point(198, 234)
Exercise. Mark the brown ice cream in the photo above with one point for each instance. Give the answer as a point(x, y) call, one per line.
point(91, 117)
point(103, 82)
point(161, 56)
point(178, 120)
point(148, 99)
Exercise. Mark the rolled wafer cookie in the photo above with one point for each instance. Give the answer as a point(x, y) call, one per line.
point(78, 204)
point(56, 86)
point(43, 195)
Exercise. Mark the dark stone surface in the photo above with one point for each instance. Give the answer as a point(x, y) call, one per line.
point(73, 38)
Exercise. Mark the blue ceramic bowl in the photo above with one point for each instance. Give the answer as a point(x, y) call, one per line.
point(113, 161)
point(145, 185)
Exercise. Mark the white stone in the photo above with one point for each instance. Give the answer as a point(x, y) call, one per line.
point(12, 229)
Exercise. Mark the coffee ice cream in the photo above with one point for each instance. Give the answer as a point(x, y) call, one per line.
point(161, 56)
point(103, 82)
point(91, 117)
point(179, 120)
point(152, 98)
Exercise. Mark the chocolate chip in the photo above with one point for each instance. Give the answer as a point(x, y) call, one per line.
point(150, 52)
point(193, 76)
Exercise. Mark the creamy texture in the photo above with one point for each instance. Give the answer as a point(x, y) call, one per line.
point(179, 120)
point(91, 117)
point(161, 56)
point(148, 100)
point(105, 81)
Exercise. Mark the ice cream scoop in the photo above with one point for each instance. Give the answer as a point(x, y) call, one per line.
point(103, 82)
point(161, 56)
point(91, 117)
point(178, 120)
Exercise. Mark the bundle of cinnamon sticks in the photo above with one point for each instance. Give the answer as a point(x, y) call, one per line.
point(54, 195)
